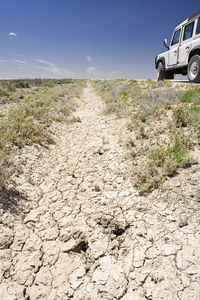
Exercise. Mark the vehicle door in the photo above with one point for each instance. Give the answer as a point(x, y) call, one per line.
point(186, 43)
point(174, 47)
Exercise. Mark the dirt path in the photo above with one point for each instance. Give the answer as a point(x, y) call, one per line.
point(88, 235)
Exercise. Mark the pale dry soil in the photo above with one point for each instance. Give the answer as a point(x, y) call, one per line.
point(84, 231)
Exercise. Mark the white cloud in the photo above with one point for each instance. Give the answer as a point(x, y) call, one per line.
point(20, 61)
point(42, 61)
point(51, 67)
point(91, 70)
point(88, 58)
point(12, 34)
point(101, 74)
point(4, 61)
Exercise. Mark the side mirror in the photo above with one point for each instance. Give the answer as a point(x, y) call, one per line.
point(166, 43)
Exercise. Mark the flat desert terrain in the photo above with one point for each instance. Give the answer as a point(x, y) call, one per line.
point(100, 191)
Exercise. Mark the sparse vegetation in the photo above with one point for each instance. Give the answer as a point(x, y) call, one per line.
point(164, 125)
point(33, 106)
point(120, 96)
point(147, 176)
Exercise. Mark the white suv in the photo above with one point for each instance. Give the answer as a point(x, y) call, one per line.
point(183, 55)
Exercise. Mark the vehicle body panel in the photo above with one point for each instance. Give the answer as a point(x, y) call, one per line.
point(178, 55)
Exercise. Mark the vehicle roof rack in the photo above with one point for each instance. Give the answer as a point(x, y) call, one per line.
point(194, 15)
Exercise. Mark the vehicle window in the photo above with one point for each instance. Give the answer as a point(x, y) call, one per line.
point(198, 26)
point(188, 32)
point(176, 37)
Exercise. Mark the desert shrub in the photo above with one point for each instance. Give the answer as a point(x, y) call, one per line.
point(152, 84)
point(155, 99)
point(140, 116)
point(130, 143)
point(4, 92)
point(198, 133)
point(23, 130)
point(167, 105)
point(139, 123)
point(191, 96)
point(65, 110)
point(158, 155)
point(147, 176)
point(180, 156)
point(179, 139)
point(5, 166)
point(161, 155)
point(21, 84)
point(172, 156)
point(181, 116)
point(7, 85)
point(132, 81)
point(141, 131)
point(194, 115)
point(170, 166)
point(120, 96)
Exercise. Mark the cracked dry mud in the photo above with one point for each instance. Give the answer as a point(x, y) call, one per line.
point(86, 233)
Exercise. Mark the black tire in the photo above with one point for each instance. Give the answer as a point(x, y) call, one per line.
point(161, 72)
point(193, 70)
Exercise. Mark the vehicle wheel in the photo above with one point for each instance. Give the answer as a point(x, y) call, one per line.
point(194, 69)
point(161, 72)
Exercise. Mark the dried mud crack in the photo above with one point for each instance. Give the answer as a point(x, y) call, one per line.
point(86, 233)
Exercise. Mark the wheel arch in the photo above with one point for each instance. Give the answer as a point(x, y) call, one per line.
point(162, 60)
point(195, 51)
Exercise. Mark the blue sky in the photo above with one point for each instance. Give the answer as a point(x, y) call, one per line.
point(86, 38)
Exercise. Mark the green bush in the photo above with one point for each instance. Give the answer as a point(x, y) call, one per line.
point(191, 96)
point(171, 158)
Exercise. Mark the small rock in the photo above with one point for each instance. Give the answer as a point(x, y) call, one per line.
point(69, 245)
point(127, 193)
point(99, 247)
point(169, 249)
point(43, 277)
point(75, 284)
point(119, 180)
point(132, 295)
point(4, 295)
point(183, 223)
point(97, 187)
point(80, 272)
point(101, 151)
point(100, 277)
point(193, 270)
point(37, 292)
point(33, 216)
point(184, 257)
point(139, 256)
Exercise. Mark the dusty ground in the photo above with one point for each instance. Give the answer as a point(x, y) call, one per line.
point(85, 233)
